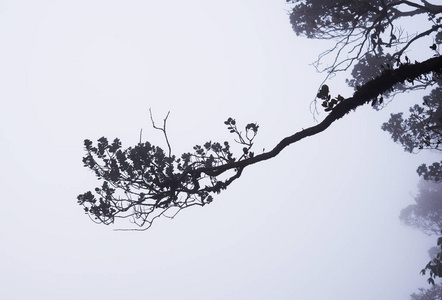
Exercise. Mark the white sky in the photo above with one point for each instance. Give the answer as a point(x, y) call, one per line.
point(320, 221)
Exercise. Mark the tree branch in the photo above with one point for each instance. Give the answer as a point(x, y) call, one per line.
point(363, 95)
point(151, 183)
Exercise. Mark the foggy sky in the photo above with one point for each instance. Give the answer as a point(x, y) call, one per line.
point(320, 221)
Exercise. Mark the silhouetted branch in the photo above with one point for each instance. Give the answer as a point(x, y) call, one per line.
point(142, 183)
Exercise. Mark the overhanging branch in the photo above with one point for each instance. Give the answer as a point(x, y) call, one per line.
point(363, 95)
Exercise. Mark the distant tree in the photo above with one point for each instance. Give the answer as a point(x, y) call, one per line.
point(426, 214)
point(144, 182)
point(432, 293)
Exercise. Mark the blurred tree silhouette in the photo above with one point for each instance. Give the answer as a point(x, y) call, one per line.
point(144, 182)
point(432, 293)
point(426, 214)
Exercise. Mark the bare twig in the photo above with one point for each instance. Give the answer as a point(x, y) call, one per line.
point(163, 129)
point(418, 36)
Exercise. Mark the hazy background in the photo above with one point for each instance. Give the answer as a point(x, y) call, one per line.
point(320, 221)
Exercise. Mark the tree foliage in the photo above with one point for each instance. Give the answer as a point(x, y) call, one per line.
point(364, 27)
point(432, 172)
point(423, 127)
point(143, 183)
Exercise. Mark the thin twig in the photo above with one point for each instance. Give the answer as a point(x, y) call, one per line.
point(163, 129)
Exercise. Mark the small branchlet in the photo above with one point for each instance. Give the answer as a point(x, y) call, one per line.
point(251, 130)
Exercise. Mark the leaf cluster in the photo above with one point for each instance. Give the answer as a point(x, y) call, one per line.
point(423, 128)
point(434, 267)
point(246, 139)
point(327, 19)
point(432, 172)
point(143, 183)
point(328, 103)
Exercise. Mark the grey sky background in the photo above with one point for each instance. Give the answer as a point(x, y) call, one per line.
point(320, 221)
